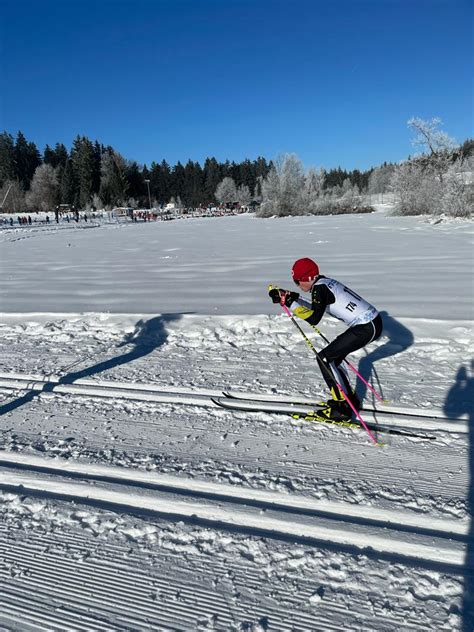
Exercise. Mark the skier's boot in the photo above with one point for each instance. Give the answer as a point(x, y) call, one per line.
point(340, 411)
point(338, 398)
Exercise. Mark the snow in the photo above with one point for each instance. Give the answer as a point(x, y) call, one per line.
point(129, 501)
point(223, 266)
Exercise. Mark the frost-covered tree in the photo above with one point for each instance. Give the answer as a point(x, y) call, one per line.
point(292, 181)
point(379, 179)
point(437, 147)
point(457, 198)
point(429, 182)
point(243, 195)
point(418, 190)
point(313, 189)
point(44, 192)
point(314, 182)
point(283, 190)
point(12, 197)
point(226, 192)
point(350, 193)
point(97, 203)
point(270, 192)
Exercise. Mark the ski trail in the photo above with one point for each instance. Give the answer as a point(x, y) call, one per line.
point(203, 397)
point(271, 514)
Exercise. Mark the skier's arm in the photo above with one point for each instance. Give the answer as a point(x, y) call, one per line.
point(312, 312)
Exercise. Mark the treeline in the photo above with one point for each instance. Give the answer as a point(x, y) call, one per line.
point(91, 175)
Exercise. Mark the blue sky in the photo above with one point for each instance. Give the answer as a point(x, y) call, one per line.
point(333, 82)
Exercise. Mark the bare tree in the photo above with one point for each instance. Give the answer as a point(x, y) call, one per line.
point(432, 182)
point(438, 148)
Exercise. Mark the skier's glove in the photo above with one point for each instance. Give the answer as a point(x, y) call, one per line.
point(285, 297)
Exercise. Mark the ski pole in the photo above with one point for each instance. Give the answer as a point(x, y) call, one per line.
point(344, 394)
point(352, 367)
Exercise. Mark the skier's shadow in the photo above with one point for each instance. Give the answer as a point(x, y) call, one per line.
point(460, 401)
point(147, 336)
point(399, 337)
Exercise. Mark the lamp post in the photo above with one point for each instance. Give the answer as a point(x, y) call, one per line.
point(149, 196)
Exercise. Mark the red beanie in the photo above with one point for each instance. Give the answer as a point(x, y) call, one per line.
point(304, 269)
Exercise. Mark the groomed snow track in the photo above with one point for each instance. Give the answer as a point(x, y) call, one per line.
point(392, 534)
point(409, 418)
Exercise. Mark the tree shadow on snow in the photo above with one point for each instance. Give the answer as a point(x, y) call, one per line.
point(460, 401)
point(147, 336)
point(399, 337)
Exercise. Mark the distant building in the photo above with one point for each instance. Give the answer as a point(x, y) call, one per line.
point(122, 211)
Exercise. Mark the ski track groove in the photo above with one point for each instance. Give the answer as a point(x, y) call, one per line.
point(252, 583)
point(136, 609)
point(195, 488)
point(290, 517)
point(59, 619)
point(179, 612)
point(92, 585)
point(338, 463)
point(202, 397)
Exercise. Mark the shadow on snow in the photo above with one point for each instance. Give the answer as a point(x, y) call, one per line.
point(147, 336)
point(399, 337)
point(460, 401)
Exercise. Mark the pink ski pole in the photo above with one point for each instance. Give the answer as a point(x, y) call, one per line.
point(344, 394)
point(352, 367)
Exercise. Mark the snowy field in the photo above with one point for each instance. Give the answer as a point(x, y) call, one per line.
point(130, 501)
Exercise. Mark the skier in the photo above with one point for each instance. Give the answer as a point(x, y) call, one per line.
point(363, 321)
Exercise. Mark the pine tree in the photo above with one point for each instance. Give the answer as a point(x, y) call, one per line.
point(96, 158)
point(82, 155)
point(193, 176)
point(211, 178)
point(177, 180)
point(134, 179)
point(7, 158)
point(113, 183)
point(56, 157)
point(49, 156)
point(67, 184)
point(27, 158)
point(165, 182)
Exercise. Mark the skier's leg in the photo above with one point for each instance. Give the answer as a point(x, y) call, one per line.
point(332, 356)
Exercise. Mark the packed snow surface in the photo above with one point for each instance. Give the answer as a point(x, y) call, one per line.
point(130, 501)
point(406, 266)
